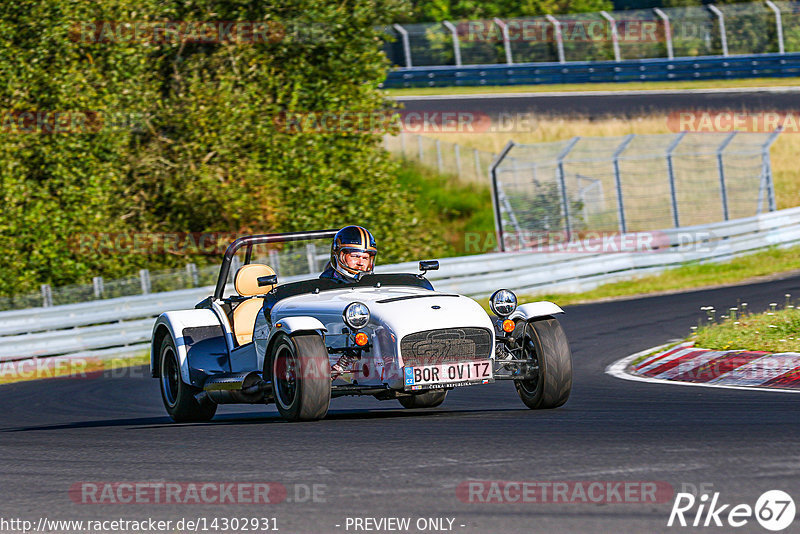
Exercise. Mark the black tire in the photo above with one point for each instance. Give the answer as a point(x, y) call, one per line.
point(429, 399)
point(301, 377)
point(179, 397)
point(545, 345)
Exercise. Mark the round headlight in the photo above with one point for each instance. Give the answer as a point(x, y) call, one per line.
point(503, 302)
point(356, 315)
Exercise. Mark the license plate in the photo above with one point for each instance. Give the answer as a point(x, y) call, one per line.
point(448, 375)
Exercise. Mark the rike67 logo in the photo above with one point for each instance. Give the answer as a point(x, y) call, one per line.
point(774, 510)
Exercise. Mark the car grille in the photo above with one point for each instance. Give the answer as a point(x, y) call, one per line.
point(446, 345)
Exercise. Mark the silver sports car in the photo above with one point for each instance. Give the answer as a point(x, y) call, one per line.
point(391, 336)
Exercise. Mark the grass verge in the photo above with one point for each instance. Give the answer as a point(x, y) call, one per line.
point(621, 86)
point(690, 276)
point(451, 208)
point(772, 331)
point(78, 368)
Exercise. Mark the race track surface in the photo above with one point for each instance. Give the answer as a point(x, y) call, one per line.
point(376, 459)
point(623, 104)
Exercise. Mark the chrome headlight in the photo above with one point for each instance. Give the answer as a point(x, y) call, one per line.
point(503, 302)
point(356, 315)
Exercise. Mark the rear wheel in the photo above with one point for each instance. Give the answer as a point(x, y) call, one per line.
point(429, 399)
point(301, 377)
point(179, 397)
point(549, 364)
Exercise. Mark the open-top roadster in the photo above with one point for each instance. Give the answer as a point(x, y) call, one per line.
point(403, 340)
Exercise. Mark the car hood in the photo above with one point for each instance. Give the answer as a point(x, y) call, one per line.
point(401, 310)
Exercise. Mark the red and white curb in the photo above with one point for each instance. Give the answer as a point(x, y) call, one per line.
point(687, 365)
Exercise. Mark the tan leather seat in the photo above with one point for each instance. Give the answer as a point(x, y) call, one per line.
point(246, 284)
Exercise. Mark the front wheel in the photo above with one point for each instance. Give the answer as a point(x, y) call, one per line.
point(549, 364)
point(179, 397)
point(429, 399)
point(301, 377)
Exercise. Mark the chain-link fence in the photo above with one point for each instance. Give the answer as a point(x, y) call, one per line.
point(310, 258)
point(467, 164)
point(631, 183)
point(731, 29)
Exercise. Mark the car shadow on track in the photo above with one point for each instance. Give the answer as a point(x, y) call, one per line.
point(256, 418)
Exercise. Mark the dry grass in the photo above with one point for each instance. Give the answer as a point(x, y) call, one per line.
point(784, 151)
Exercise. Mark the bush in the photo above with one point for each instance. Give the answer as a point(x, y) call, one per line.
point(204, 151)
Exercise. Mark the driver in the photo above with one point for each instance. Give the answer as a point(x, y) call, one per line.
point(352, 255)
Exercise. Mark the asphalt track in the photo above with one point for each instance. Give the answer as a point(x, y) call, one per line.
point(622, 103)
point(376, 459)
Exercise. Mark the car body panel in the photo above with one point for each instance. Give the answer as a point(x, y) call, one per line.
point(533, 310)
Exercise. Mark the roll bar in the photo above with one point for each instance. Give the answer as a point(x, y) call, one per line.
point(250, 240)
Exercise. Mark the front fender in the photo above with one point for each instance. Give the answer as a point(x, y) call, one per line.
point(300, 323)
point(174, 323)
point(533, 310)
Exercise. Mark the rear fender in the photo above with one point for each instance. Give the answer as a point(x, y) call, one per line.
point(175, 324)
point(535, 310)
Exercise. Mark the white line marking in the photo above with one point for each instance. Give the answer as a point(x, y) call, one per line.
point(617, 369)
point(633, 92)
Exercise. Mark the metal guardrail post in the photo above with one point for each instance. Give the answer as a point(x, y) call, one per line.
point(623, 227)
point(559, 37)
point(477, 158)
point(456, 44)
point(403, 144)
point(311, 256)
point(767, 166)
point(671, 174)
point(144, 280)
point(191, 270)
point(97, 287)
point(614, 34)
point(406, 45)
point(274, 261)
point(457, 152)
point(562, 185)
point(498, 223)
point(667, 31)
point(506, 41)
point(439, 162)
point(722, 35)
point(778, 25)
point(723, 189)
point(47, 295)
point(419, 147)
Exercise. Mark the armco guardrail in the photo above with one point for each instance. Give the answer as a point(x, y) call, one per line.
point(100, 325)
point(688, 68)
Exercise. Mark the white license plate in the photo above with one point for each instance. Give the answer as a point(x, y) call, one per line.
point(448, 375)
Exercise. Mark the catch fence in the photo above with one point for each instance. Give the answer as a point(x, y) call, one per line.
point(567, 190)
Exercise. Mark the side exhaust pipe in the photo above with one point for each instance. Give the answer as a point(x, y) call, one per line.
point(236, 388)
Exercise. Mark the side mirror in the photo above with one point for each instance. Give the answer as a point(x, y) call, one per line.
point(428, 265)
point(270, 280)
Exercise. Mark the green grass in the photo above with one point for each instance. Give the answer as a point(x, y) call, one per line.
point(691, 276)
point(451, 208)
point(773, 331)
point(624, 86)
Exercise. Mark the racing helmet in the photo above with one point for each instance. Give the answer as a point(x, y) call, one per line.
point(352, 239)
